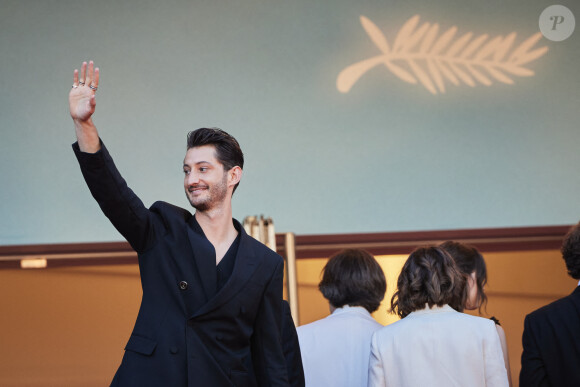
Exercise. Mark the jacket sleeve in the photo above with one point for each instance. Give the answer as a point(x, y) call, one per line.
point(533, 372)
point(117, 201)
point(376, 369)
point(267, 350)
point(494, 365)
point(291, 348)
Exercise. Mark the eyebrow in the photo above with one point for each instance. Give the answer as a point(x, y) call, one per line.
point(198, 163)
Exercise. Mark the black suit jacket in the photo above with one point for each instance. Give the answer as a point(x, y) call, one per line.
point(551, 341)
point(291, 348)
point(185, 333)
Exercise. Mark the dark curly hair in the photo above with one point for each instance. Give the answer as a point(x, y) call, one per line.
point(227, 148)
point(353, 277)
point(571, 251)
point(469, 260)
point(429, 277)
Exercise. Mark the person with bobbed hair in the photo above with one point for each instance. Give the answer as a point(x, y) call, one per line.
point(471, 263)
point(551, 337)
point(335, 350)
point(433, 344)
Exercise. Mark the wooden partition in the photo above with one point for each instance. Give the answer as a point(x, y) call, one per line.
point(65, 326)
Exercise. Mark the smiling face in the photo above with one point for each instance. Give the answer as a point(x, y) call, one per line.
point(205, 181)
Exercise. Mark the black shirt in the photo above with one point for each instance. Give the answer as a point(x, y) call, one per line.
point(225, 268)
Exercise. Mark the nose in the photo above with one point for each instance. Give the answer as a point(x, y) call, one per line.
point(191, 179)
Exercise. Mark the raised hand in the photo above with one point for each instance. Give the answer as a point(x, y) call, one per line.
point(81, 98)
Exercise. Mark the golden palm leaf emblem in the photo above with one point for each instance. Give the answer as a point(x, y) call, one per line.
point(420, 55)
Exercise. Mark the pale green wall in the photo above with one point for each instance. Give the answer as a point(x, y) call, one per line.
point(387, 156)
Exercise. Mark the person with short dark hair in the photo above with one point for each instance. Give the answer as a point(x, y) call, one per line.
point(335, 350)
point(551, 338)
point(471, 263)
point(353, 277)
point(211, 311)
point(433, 344)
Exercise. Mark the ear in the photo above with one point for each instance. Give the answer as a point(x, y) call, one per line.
point(472, 279)
point(234, 176)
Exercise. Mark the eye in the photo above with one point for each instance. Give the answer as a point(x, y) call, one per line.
point(203, 169)
point(186, 171)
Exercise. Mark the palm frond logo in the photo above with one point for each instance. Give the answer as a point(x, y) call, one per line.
point(420, 54)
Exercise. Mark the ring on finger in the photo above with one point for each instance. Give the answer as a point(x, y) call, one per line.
point(82, 83)
point(93, 88)
point(74, 86)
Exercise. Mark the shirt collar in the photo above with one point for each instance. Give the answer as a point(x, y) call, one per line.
point(350, 309)
point(434, 309)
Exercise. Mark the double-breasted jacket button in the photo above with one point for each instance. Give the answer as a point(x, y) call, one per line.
point(183, 285)
point(219, 337)
point(173, 350)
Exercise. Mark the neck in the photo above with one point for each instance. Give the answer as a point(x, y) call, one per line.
point(217, 225)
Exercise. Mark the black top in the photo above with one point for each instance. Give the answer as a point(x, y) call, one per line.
point(225, 267)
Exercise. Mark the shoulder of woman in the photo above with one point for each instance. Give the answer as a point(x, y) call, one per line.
point(500, 332)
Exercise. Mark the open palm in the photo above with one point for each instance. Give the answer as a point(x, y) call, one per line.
point(82, 95)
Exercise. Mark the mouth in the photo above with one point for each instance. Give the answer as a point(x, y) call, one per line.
point(197, 189)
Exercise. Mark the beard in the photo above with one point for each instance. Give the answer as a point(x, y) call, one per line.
point(213, 197)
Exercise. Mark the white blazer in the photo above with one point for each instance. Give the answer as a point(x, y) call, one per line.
point(437, 347)
point(335, 350)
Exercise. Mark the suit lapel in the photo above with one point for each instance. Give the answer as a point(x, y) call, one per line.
point(244, 267)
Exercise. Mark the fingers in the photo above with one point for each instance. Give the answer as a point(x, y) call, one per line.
point(83, 74)
point(92, 77)
point(76, 79)
point(90, 72)
point(96, 79)
point(89, 76)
